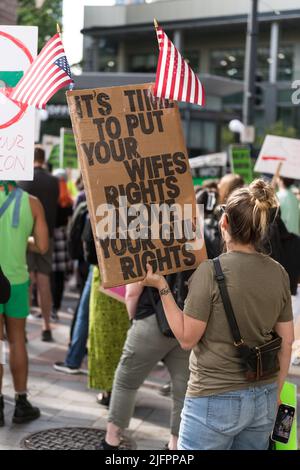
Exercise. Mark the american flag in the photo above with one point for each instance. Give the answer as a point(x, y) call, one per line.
point(175, 79)
point(48, 73)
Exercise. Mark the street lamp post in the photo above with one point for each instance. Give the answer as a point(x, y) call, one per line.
point(250, 65)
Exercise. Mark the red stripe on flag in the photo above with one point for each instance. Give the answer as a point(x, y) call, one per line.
point(40, 91)
point(172, 89)
point(43, 101)
point(35, 65)
point(196, 95)
point(166, 70)
point(181, 81)
point(189, 85)
point(158, 72)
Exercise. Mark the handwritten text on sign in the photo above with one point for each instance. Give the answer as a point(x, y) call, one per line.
point(18, 45)
point(135, 167)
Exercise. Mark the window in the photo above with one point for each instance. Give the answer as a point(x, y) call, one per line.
point(145, 63)
point(107, 56)
point(230, 63)
point(192, 58)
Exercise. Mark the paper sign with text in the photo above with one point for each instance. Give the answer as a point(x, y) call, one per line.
point(276, 150)
point(135, 168)
point(240, 161)
point(18, 45)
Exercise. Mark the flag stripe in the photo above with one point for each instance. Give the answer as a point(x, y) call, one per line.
point(35, 75)
point(164, 51)
point(54, 88)
point(48, 73)
point(174, 77)
point(55, 72)
point(35, 65)
point(170, 77)
point(166, 72)
point(46, 76)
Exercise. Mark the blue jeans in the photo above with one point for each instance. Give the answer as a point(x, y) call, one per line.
point(77, 347)
point(238, 420)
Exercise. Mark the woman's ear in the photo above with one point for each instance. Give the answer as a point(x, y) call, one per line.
point(224, 222)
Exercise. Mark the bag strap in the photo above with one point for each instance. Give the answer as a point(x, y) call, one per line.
point(7, 202)
point(238, 340)
point(17, 208)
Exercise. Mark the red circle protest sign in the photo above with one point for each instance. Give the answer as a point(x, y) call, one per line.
point(21, 107)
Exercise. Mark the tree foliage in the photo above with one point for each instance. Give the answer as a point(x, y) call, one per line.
point(45, 17)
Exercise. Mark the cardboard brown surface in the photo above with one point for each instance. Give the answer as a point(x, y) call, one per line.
point(129, 144)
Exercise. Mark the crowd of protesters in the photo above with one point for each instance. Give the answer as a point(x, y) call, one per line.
point(253, 230)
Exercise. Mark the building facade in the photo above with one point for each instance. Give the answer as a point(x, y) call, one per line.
point(8, 12)
point(212, 36)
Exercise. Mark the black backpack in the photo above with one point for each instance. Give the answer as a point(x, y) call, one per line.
point(89, 248)
point(75, 230)
point(178, 284)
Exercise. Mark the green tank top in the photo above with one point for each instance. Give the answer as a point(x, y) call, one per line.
point(13, 239)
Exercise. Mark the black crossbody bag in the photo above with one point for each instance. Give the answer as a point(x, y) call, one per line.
point(260, 361)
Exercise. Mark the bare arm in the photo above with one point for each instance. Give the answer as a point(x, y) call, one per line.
point(39, 243)
point(186, 329)
point(286, 331)
point(133, 292)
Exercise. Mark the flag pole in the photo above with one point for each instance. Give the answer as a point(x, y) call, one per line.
point(156, 29)
point(58, 28)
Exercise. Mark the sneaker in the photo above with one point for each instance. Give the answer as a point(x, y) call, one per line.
point(2, 422)
point(165, 390)
point(54, 315)
point(62, 367)
point(47, 336)
point(296, 358)
point(104, 446)
point(24, 411)
point(104, 399)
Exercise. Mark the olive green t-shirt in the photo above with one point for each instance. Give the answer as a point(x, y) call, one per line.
point(260, 295)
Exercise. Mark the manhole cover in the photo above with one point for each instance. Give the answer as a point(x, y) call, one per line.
point(69, 439)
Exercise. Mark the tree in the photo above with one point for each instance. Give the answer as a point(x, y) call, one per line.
point(278, 128)
point(45, 17)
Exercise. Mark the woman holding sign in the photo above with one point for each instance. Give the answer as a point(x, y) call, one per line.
point(230, 401)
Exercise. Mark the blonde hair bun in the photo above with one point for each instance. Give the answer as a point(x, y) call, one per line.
point(262, 195)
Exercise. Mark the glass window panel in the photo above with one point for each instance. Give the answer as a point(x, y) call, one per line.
point(230, 63)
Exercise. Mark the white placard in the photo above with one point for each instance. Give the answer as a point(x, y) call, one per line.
point(48, 143)
point(18, 46)
point(214, 159)
point(277, 150)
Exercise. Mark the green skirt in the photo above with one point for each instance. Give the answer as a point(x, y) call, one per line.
point(108, 325)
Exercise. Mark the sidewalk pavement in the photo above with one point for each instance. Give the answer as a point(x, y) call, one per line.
point(65, 401)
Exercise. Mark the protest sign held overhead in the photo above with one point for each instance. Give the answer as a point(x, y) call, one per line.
point(138, 182)
point(18, 46)
point(276, 150)
point(240, 161)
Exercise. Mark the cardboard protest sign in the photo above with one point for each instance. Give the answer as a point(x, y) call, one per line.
point(277, 150)
point(240, 162)
point(18, 45)
point(68, 151)
point(134, 165)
